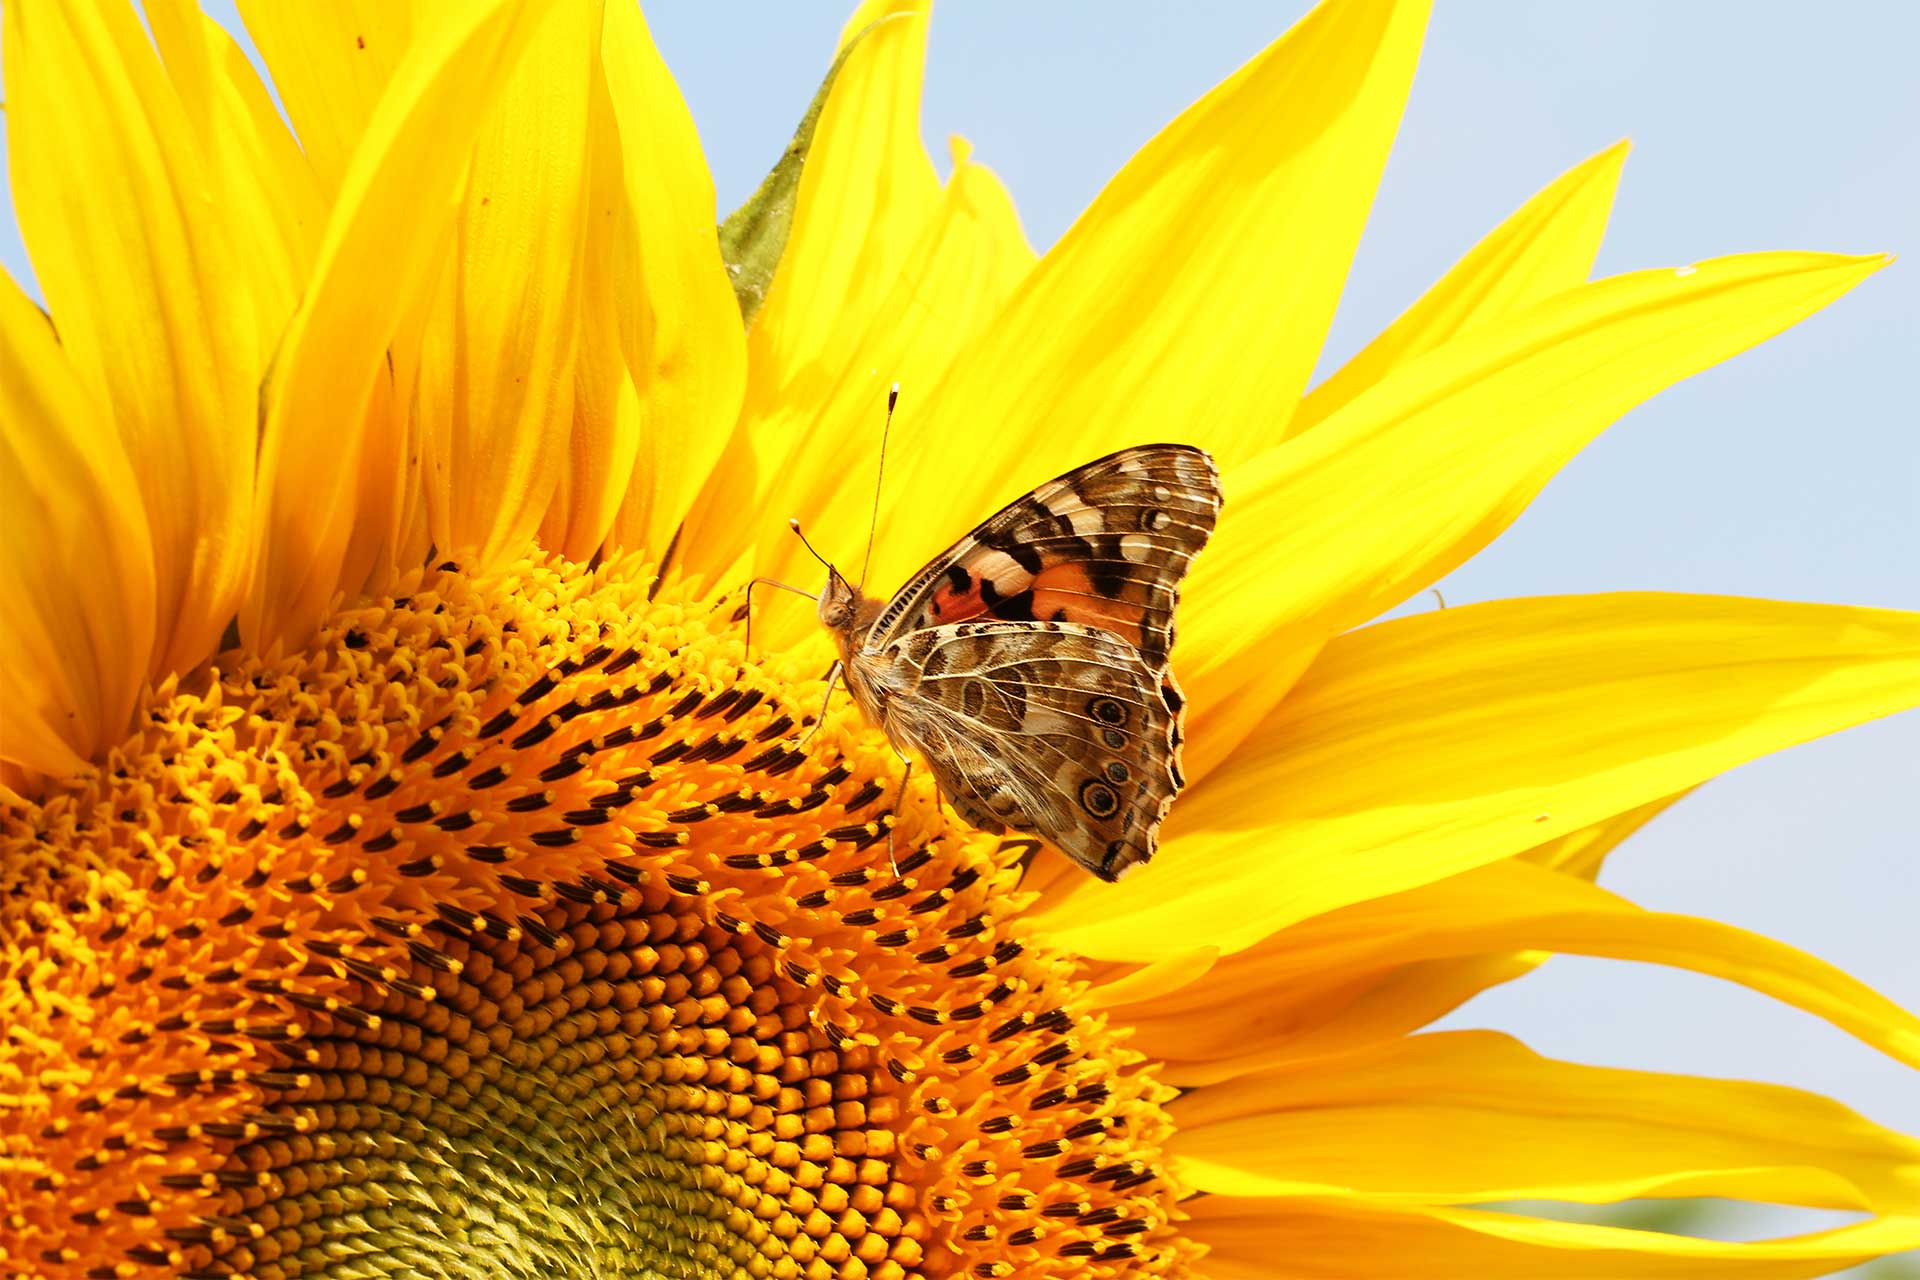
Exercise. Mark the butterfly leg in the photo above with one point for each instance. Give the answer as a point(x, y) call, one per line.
point(899, 794)
point(826, 700)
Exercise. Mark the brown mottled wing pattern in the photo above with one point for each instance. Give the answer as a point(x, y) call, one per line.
point(1104, 545)
point(1053, 729)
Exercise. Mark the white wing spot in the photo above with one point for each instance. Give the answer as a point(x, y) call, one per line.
point(1002, 570)
point(1084, 519)
point(1046, 721)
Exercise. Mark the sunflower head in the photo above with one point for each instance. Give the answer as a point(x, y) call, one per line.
point(510, 918)
point(407, 868)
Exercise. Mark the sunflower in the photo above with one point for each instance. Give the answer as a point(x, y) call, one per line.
point(408, 868)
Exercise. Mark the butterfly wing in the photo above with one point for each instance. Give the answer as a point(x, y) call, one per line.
point(1104, 545)
point(1053, 729)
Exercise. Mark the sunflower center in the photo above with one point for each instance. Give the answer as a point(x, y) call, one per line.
point(521, 926)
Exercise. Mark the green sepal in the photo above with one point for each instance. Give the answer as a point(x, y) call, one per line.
point(755, 235)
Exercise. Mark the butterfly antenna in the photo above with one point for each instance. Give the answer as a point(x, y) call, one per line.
point(793, 523)
point(873, 525)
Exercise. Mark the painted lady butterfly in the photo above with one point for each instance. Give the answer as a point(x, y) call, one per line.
point(1028, 663)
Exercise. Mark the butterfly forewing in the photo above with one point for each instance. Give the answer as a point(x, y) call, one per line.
point(1104, 545)
point(1051, 729)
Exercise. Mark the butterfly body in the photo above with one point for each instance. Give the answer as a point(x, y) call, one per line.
point(849, 615)
point(1028, 664)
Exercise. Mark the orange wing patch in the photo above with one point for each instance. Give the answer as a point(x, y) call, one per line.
point(950, 605)
point(1066, 592)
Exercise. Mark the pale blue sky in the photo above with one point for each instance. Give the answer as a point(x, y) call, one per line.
point(1791, 472)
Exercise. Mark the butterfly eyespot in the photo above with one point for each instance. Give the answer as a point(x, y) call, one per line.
point(1152, 519)
point(1113, 738)
point(1117, 772)
point(1098, 799)
point(1108, 710)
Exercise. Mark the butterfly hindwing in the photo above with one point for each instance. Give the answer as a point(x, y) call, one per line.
point(1104, 546)
point(1052, 729)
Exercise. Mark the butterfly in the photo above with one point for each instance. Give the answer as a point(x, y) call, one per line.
point(1028, 663)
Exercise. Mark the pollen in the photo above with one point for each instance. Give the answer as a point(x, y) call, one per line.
point(522, 925)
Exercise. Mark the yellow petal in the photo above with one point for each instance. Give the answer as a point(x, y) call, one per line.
point(1189, 302)
point(1474, 1116)
point(680, 327)
point(1414, 476)
point(865, 195)
point(1406, 997)
point(269, 195)
point(330, 62)
point(1336, 1239)
point(1580, 853)
point(1546, 246)
point(392, 533)
point(1389, 966)
point(605, 434)
point(1338, 981)
point(515, 315)
point(71, 660)
point(373, 556)
point(866, 191)
point(971, 255)
point(1417, 748)
point(382, 248)
point(1143, 988)
point(121, 217)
